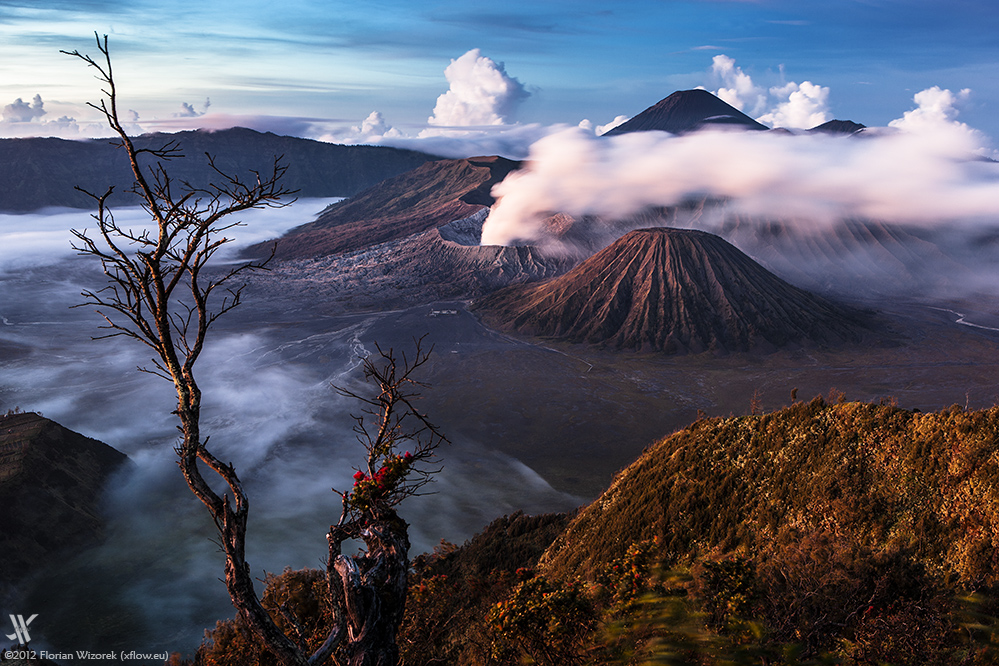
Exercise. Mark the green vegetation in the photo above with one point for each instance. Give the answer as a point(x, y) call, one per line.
point(846, 533)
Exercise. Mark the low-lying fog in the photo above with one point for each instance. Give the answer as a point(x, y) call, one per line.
point(269, 409)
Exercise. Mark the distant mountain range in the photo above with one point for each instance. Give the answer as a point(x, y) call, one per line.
point(410, 231)
point(415, 237)
point(42, 172)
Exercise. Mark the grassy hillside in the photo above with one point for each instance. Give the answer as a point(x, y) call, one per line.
point(823, 533)
point(880, 476)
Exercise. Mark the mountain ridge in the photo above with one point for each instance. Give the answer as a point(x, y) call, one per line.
point(434, 194)
point(49, 169)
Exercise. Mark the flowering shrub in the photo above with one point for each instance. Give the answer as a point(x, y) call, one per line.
point(548, 622)
point(382, 486)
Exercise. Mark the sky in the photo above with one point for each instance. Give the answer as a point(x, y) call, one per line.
point(502, 74)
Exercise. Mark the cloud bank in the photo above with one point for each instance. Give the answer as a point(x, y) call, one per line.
point(925, 169)
point(21, 112)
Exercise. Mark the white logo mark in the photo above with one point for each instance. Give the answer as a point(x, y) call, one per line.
point(21, 628)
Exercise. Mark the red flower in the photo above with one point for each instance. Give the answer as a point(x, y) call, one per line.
point(358, 475)
point(408, 456)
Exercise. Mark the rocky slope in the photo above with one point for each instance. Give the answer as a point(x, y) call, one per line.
point(42, 172)
point(437, 264)
point(670, 290)
point(429, 196)
point(51, 482)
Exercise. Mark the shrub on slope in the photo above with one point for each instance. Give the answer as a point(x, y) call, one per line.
point(888, 478)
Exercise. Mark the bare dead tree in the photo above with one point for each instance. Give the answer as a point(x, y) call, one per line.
point(158, 293)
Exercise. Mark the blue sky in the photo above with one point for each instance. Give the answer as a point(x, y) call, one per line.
point(318, 68)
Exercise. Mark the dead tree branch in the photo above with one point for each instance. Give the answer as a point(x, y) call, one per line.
point(160, 292)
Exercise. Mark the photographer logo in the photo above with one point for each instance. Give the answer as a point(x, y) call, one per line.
point(21, 628)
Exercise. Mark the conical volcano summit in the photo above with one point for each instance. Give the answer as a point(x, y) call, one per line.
point(672, 290)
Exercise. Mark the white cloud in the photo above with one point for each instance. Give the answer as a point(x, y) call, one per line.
point(188, 110)
point(902, 176)
point(791, 105)
point(20, 119)
point(587, 125)
point(374, 125)
point(480, 93)
point(737, 87)
point(803, 106)
point(603, 129)
point(935, 110)
point(474, 117)
point(20, 111)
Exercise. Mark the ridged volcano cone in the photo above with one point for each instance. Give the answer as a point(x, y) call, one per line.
point(671, 290)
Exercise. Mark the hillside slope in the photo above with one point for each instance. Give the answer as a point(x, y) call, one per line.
point(871, 476)
point(51, 482)
point(429, 196)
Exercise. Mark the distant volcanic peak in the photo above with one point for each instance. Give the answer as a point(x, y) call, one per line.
point(839, 127)
point(672, 290)
point(686, 111)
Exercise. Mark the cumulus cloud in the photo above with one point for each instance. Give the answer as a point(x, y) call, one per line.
point(20, 111)
point(790, 105)
point(374, 125)
point(803, 106)
point(737, 87)
point(935, 108)
point(480, 93)
point(925, 177)
point(19, 118)
point(188, 110)
point(474, 117)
